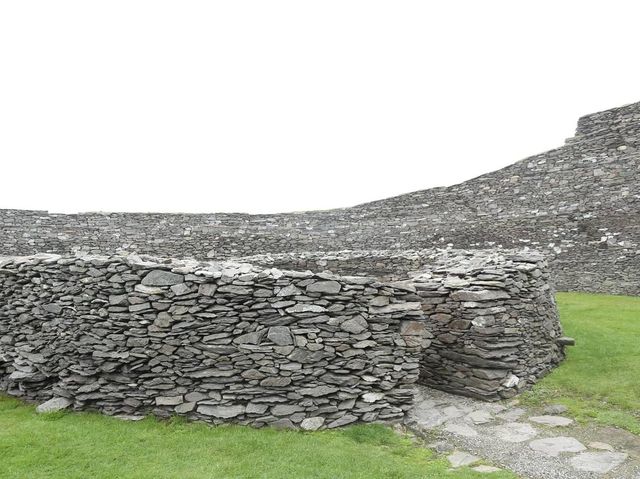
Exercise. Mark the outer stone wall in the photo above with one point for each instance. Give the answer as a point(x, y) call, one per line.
point(578, 204)
point(491, 314)
point(214, 342)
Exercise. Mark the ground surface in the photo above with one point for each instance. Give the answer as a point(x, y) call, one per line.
point(82, 445)
point(598, 383)
point(529, 442)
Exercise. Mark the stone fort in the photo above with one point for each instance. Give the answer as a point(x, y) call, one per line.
point(324, 318)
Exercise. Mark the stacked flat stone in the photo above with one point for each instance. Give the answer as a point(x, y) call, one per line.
point(216, 342)
point(491, 314)
point(494, 323)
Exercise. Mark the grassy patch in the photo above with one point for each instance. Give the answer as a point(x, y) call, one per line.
point(82, 445)
point(599, 381)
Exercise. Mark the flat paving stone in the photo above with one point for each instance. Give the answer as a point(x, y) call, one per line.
point(601, 462)
point(603, 446)
point(430, 418)
point(453, 412)
point(551, 420)
point(555, 409)
point(512, 414)
point(553, 446)
point(461, 430)
point(480, 416)
point(460, 459)
point(515, 432)
point(486, 469)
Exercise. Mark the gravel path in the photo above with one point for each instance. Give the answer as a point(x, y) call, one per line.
point(533, 444)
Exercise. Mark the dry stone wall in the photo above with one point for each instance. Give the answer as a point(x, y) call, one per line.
point(578, 204)
point(215, 342)
point(491, 315)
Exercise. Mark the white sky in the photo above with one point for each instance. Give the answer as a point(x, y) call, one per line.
point(266, 106)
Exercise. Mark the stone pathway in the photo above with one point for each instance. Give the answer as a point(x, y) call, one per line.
point(533, 444)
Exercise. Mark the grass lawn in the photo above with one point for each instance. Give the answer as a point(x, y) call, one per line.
point(600, 380)
point(86, 445)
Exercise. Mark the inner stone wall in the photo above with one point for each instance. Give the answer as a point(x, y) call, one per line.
point(216, 342)
point(578, 204)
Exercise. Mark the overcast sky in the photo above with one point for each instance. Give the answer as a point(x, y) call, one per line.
point(269, 106)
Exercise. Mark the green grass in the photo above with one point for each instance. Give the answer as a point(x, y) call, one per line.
point(86, 445)
point(600, 379)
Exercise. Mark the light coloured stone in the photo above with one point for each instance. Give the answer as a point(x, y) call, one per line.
point(551, 420)
point(326, 287)
point(553, 446)
point(168, 400)
point(486, 469)
point(481, 416)
point(372, 397)
point(600, 462)
point(603, 446)
point(461, 459)
point(160, 277)
point(515, 432)
point(355, 325)
point(221, 411)
point(53, 405)
point(460, 429)
point(312, 423)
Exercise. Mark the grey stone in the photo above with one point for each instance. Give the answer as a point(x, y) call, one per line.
point(53, 405)
point(551, 420)
point(52, 308)
point(305, 308)
point(355, 325)
point(275, 382)
point(285, 409)
point(481, 416)
point(283, 423)
point(168, 400)
point(600, 462)
point(482, 468)
point(180, 289)
point(250, 338)
point(161, 277)
point(222, 411)
point(554, 409)
point(515, 432)
point(185, 407)
point(397, 308)
point(207, 289)
point(318, 391)
point(342, 421)
point(312, 423)
point(460, 430)
point(325, 287)
point(280, 335)
point(289, 290)
point(483, 295)
point(461, 459)
point(601, 445)
point(553, 446)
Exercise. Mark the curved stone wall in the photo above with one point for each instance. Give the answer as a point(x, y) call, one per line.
point(578, 204)
point(491, 315)
point(260, 345)
point(214, 342)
